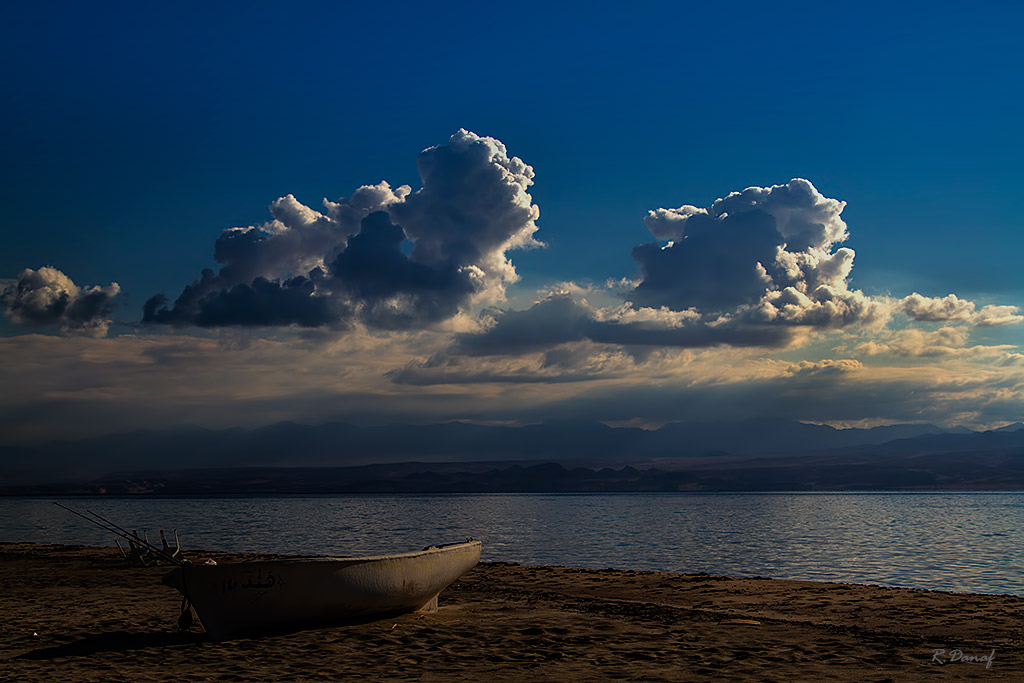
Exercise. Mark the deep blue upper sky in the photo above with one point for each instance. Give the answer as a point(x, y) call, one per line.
point(133, 135)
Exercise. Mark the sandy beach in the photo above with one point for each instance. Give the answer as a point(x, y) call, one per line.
point(74, 613)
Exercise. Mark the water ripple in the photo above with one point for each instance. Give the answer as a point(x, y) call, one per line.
point(946, 541)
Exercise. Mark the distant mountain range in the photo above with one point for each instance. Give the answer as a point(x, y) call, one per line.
point(722, 455)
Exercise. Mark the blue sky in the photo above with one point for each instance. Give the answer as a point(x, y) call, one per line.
point(134, 136)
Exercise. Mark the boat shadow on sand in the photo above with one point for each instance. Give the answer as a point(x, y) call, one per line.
point(126, 641)
point(114, 641)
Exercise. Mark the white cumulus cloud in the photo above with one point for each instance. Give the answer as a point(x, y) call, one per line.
point(49, 297)
point(348, 263)
point(951, 308)
point(768, 253)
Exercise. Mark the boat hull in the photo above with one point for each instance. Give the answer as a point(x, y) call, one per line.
point(233, 599)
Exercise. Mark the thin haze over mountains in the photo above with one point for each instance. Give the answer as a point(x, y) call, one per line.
point(572, 455)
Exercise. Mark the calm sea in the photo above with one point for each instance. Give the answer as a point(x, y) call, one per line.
point(946, 541)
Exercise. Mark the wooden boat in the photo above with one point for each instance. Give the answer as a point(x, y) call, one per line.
point(242, 597)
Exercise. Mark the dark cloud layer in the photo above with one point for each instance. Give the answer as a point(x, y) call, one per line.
point(259, 303)
point(312, 269)
point(49, 297)
point(560, 319)
point(395, 291)
point(713, 267)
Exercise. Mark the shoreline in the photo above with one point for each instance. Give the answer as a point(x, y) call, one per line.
point(80, 613)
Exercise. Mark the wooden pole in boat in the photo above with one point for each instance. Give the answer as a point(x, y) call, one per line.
point(110, 527)
point(181, 562)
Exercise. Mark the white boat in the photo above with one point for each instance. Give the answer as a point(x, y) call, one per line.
point(294, 593)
